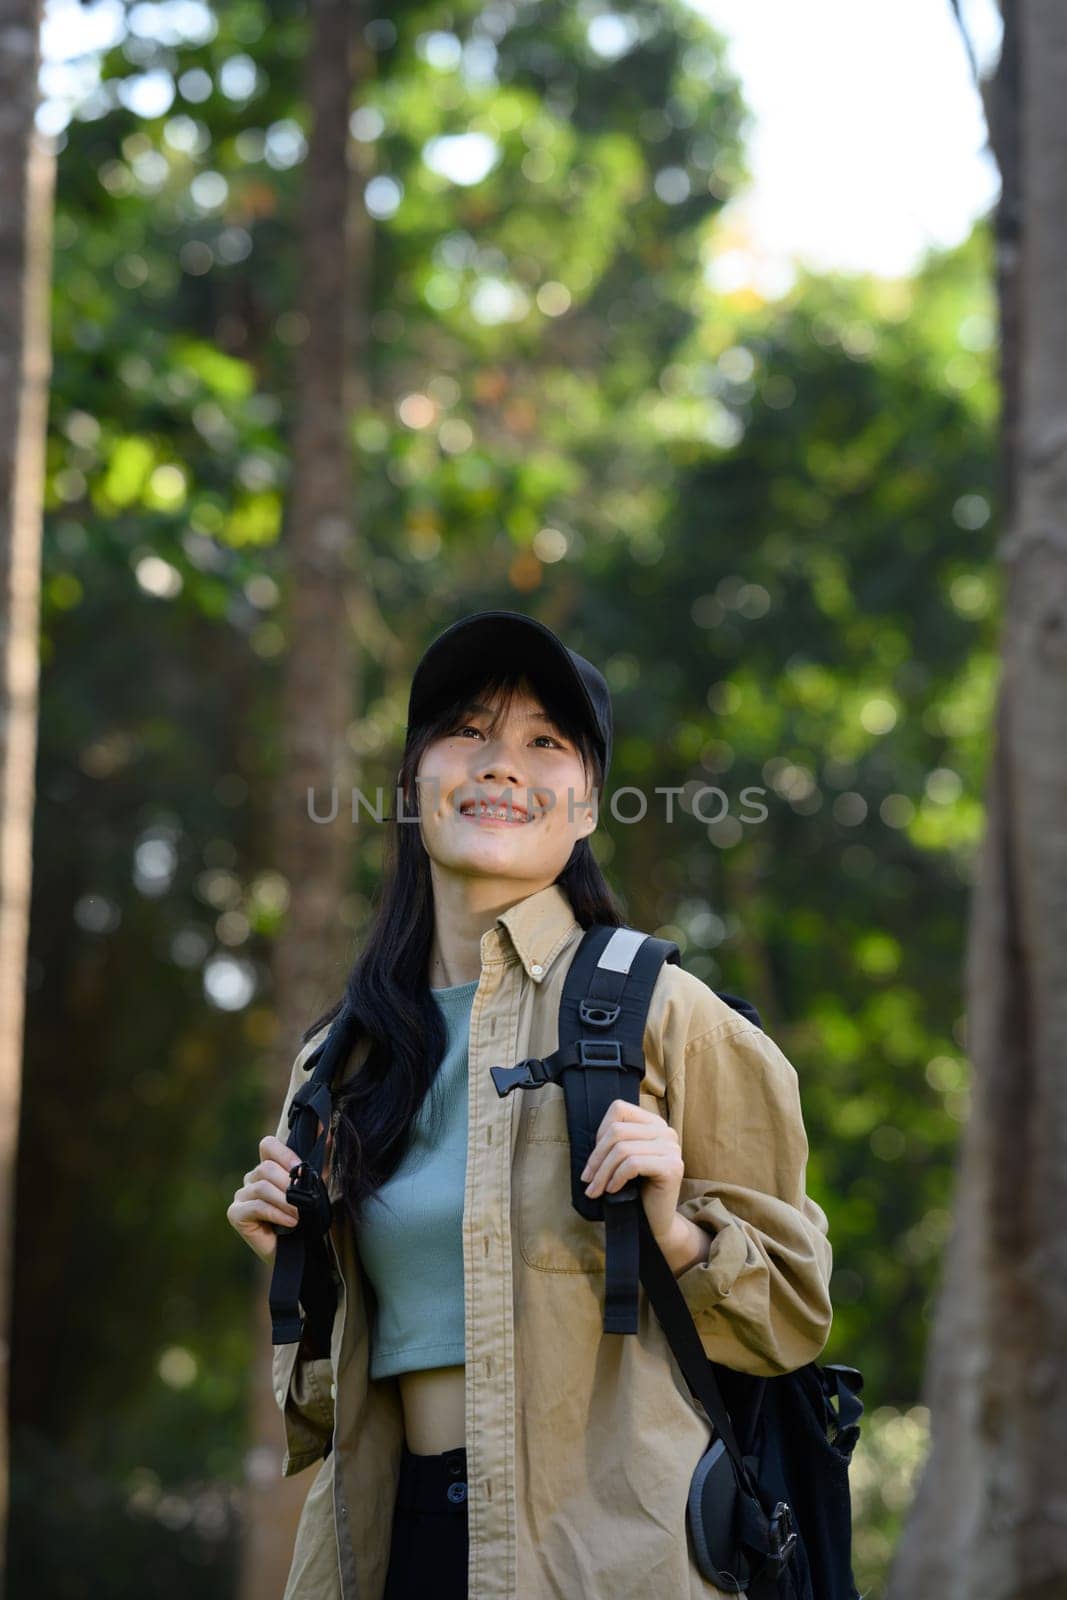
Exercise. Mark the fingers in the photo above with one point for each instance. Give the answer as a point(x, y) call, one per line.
point(261, 1201)
point(269, 1181)
point(631, 1159)
point(273, 1197)
point(274, 1173)
point(252, 1208)
point(261, 1198)
point(272, 1149)
point(628, 1125)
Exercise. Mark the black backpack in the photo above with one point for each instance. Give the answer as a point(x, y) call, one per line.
point(769, 1509)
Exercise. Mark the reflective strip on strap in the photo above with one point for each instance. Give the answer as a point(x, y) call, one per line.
point(617, 955)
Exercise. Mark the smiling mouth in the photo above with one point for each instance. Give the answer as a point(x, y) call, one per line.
point(479, 812)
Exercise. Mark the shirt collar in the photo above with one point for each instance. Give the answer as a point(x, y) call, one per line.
point(538, 927)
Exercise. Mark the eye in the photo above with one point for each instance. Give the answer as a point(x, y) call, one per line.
point(464, 727)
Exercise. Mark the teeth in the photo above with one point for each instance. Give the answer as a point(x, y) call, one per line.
point(483, 810)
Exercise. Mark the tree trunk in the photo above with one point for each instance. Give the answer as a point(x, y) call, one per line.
point(320, 686)
point(27, 183)
point(990, 1514)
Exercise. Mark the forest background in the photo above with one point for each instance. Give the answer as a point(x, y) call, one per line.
point(772, 521)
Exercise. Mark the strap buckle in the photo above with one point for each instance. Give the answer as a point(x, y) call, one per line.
point(598, 1013)
point(783, 1532)
point(599, 1053)
point(309, 1195)
point(528, 1074)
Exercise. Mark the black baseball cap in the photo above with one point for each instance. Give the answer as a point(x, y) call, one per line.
point(489, 636)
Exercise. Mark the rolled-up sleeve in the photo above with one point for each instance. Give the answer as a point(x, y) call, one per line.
point(761, 1301)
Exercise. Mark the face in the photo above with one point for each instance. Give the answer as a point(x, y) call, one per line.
point(528, 762)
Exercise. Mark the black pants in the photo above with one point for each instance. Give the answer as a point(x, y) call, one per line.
point(428, 1555)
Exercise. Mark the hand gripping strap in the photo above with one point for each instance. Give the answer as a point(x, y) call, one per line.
point(302, 1272)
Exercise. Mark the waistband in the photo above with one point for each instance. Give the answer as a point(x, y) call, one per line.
point(433, 1484)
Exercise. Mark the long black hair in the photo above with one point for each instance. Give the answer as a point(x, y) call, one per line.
point(387, 994)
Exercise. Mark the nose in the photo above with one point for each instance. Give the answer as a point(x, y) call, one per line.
point(504, 768)
point(499, 772)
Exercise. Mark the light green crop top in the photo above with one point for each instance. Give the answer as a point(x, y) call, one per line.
point(411, 1243)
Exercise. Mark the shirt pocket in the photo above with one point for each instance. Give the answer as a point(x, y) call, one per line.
point(553, 1237)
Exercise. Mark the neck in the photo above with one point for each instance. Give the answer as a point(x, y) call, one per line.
point(465, 909)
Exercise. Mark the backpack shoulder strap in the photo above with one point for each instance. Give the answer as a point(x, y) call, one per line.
point(745, 1007)
point(603, 1011)
point(600, 1057)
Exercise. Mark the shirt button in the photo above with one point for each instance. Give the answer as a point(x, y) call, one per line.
point(333, 1391)
point(537, 969)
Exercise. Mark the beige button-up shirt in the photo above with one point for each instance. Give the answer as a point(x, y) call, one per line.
point(580, 1445)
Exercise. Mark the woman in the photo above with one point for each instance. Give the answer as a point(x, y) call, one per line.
point(479, 1434)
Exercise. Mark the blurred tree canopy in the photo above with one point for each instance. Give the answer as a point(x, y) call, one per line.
point(772, 522)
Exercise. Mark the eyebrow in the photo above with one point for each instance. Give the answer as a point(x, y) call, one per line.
point(539, 716)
